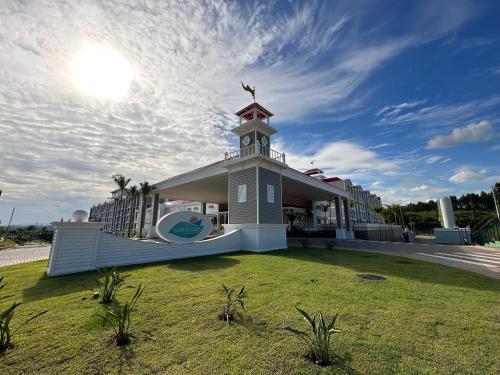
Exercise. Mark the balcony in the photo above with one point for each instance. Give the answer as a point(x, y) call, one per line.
point(256, 149)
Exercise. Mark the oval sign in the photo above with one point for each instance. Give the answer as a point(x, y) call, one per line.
point(184, 227)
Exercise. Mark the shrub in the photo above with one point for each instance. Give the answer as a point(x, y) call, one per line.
point(5, 319)
point(319, 341)
point(231, 303)
point(305, 243)
point(108, 284)
point(329, 244)
point(118, 316)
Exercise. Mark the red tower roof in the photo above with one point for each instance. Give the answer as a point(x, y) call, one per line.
point(248, 113)
point(312, 171)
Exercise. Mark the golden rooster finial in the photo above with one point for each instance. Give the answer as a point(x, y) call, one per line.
point(249, 89)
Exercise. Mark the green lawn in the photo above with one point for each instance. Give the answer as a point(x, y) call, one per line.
point(7, 243)
point(424, 319)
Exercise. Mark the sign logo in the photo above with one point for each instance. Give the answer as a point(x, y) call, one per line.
point(184, 227)
point(187, 230)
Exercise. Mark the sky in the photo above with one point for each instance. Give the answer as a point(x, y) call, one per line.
point(401, 97)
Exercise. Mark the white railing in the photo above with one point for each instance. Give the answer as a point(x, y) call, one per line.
point(256, 149)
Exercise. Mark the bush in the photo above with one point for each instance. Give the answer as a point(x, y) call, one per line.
point(108, 284)
point(5, 319)
point(305, 243)
point(319, 341)
point(329, 244)
point(118, 316)
point(232, 302)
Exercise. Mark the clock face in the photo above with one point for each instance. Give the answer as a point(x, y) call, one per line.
point(246, 140)
point(264, 141)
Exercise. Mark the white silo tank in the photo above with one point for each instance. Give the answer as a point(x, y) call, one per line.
point(446, 211)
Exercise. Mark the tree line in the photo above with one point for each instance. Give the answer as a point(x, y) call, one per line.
point(471, 210)
point(471, 202)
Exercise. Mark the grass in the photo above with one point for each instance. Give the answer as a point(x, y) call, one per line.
point(7, 243)
point(424, 319)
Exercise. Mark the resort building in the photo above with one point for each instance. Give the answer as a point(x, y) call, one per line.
point(119, 213)
point(361, 202)
point(324, 215)
point(252, 188)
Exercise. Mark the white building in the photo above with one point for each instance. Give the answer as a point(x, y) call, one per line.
point(252, 189)
point(360, 202)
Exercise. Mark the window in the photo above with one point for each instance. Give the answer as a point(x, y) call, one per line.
point(196, 208)
point(270, 193)
point(242, 193)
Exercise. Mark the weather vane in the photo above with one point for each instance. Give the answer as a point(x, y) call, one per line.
point(249, 89)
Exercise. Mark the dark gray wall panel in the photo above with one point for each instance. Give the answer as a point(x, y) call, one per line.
point(270, 213)
point(243, 213)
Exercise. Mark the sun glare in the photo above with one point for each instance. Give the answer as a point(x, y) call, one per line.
point(103, 72)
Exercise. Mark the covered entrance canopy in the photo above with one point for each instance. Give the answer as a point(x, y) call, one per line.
point(210, 184)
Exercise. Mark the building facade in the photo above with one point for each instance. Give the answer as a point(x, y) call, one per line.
point(360, 203)
point(252, 189)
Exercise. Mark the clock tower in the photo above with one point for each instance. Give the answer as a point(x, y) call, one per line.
point(255, 183)
point(254, 128)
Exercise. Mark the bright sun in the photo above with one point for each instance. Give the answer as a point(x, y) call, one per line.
point(103, 72)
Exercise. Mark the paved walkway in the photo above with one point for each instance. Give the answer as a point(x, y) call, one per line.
point(479, 259)
point(23, 254)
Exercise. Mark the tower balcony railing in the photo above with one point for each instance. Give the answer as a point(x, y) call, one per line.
point(256, 149)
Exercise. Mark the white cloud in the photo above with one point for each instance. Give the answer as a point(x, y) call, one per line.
point(495, 147)
point(433, 159)
point(466, 174)
point(419, 188)
point(381, 145)
point(474, 132)
point(344, 159)
point(188, 58)
point(394, 110)
point(443, 115)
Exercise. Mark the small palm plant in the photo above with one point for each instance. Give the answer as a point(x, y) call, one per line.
point(232, 300)
point(6, 316)
point(108, 284)
point(118, 316)
point(319, 341)
point(329, 244)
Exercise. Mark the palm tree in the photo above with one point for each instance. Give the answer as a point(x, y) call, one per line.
point(351, 202)
point(378, 210)
point(121, 181)
point(145, 189)
point(324, 207)
point(291, 216)
point(308, 215)
point(133, 193)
